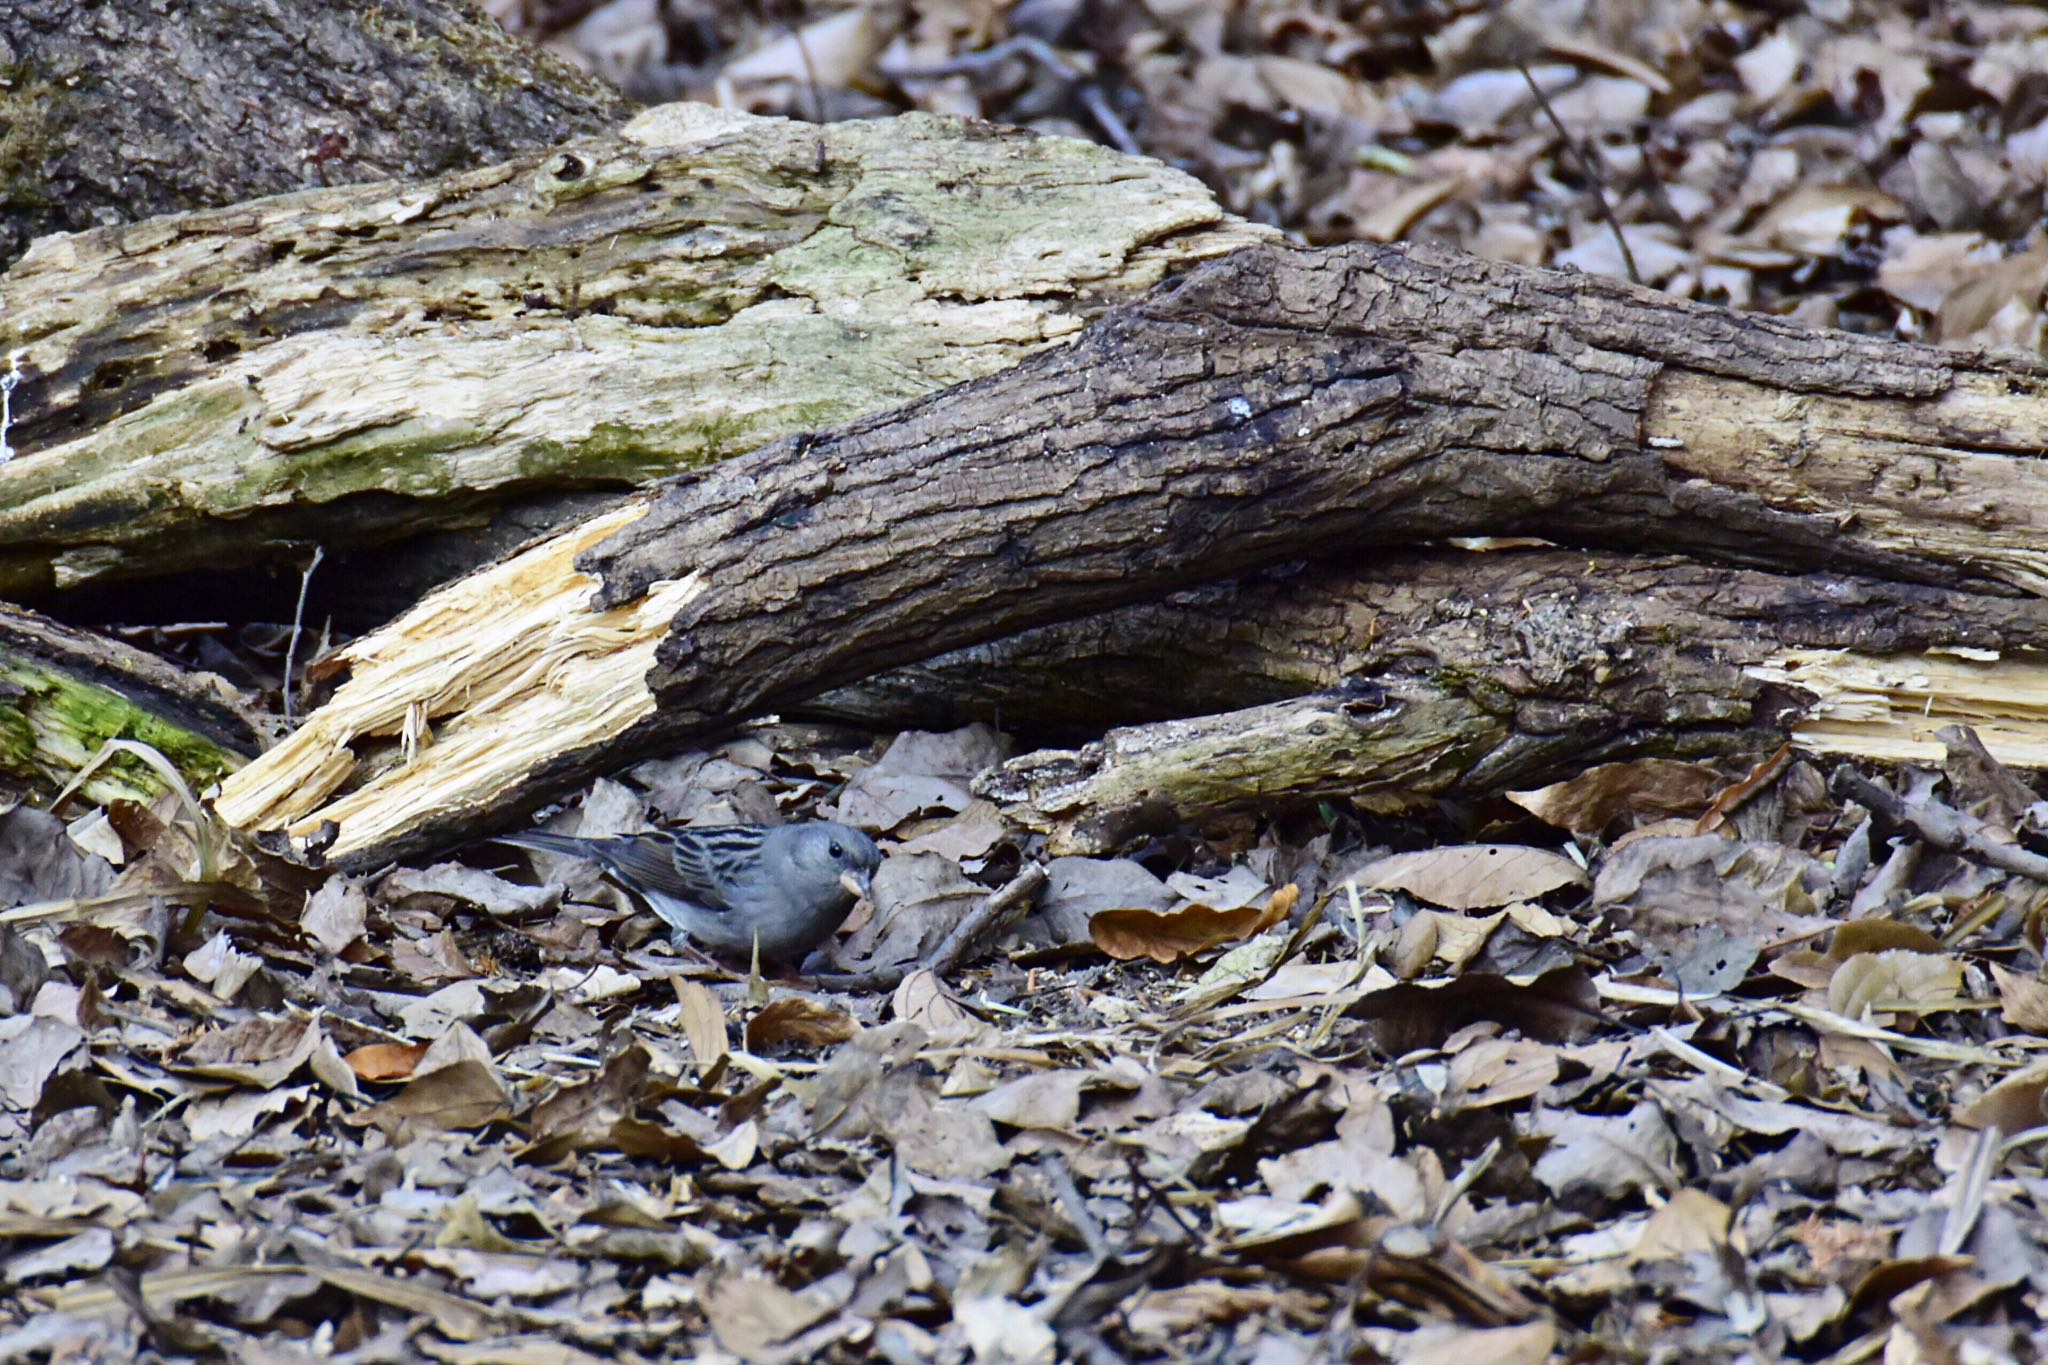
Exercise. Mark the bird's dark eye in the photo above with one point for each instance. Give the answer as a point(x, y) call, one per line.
point(837, 851)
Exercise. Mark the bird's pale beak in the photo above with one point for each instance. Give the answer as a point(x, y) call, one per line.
point(856, 884)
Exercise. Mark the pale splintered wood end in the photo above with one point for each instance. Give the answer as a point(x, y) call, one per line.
point(485, 680)
point(1892, 708)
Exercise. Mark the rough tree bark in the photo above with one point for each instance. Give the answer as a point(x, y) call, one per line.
point(1437, 673)
point(1275, 404)
point(116, 110)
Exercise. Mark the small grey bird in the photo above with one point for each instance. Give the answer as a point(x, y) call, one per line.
point(724, 886)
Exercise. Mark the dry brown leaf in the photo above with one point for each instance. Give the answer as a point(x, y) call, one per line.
point(1392, 219)
point(702, 1021)
point(1614, 1154)
point(1316, 89)
point(1043, 1099)
point(1644, 789)
point(1671, 891)
point(1560, 1005)
point(2023, 1000)
point(799, 1019)
point(435, 958)
point(1875, 934)
point(1817, 220)
point(1501, 1071)
point(386, 1061)
point(1594, 53)
point(1167, 936)
point(1739, 791)
point(1691, 1221)
point(1159, 1313)
point(1805, 967)
point(1529, 1343)
point(750, 1313)
point(335, 914)
point(921, 773)
point(1473, 876)
point(1878, 983)
point(1892, 1278)
point(591, 1105)
point(1414, 947)
point(466, 1095)
point(2014, 1105)
point(261, 1051)
point(922, 999)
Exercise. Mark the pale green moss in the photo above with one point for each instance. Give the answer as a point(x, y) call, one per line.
point(57, 723)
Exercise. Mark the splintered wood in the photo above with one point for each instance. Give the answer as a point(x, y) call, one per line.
point(1892, 708)
point(512, 658)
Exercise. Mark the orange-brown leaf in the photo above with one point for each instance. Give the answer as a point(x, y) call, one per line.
point(386, 1061)
point(1169, 935)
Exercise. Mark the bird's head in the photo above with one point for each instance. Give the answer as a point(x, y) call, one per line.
point(824, 854)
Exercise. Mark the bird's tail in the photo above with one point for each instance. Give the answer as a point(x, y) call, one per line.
point(552, 843)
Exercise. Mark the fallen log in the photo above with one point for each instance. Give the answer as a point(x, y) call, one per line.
point(1280, 402)
point(65, 692)
point(343, 366)
point(1440, 674)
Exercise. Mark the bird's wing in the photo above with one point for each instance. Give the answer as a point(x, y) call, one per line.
point(641, 862)
point(709, 860)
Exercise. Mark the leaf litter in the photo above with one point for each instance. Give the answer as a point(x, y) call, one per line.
point(1259, 1125)
point(1687, 1063)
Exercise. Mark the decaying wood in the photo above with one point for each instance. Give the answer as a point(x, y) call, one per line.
point(1279, 403)
point(123, 109)
point(1448, 674)
point(65, 692)
point(340, 365)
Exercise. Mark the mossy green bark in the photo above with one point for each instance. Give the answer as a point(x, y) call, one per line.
point(51, 726)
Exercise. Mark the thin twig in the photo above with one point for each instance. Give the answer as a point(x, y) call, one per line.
point(1587, 168)
point(974, 925)
point(1054, 1168)
point(291, 649)
point(1946, 828)
point(1119, 134)
point(956, 946)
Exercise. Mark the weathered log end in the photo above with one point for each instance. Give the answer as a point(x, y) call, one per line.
point(488, 690)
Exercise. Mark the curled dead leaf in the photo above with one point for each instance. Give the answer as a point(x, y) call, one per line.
point(2014, 1105)
point(1636, 791)
point(799, 1019)
point(1166, 936)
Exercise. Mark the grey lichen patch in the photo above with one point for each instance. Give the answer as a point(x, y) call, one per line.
point(51, 725)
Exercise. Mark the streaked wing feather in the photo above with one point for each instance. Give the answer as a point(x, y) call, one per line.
point(710, 859)
point(642, 862)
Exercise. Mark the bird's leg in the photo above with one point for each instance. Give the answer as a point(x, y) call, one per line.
point(680, 941)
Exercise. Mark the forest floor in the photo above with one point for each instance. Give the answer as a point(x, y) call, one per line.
point(1661, 1062)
